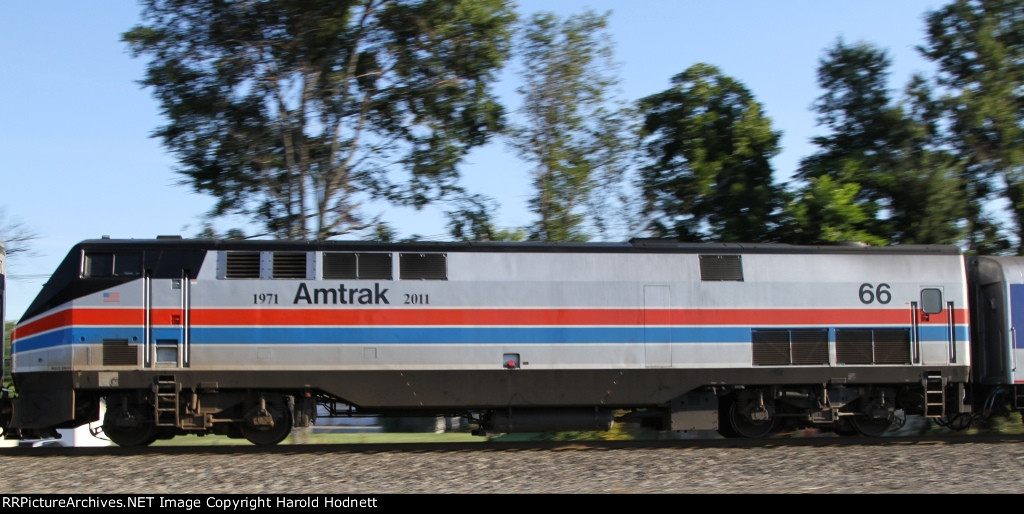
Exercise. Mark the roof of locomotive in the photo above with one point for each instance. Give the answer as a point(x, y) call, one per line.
point(189, 253)
point(632, 246)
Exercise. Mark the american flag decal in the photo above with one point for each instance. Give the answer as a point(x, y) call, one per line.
point(111, 297)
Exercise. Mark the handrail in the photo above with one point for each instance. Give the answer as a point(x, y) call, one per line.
point(952, 332)
point(147, 307)
point(185, 301)
point(915, 336)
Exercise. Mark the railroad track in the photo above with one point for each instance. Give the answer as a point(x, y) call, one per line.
point(497, 446)
point(954, 464)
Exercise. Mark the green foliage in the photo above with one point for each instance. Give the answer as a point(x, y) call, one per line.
point(708, 146)
point(1007, 423)
point(294, 112)
point(571, 131)
point(929, 199)
point(384, 233)
point(473, 220)
point(209, 232)
point(827, 212)
point(979, 49)
point(326, 437)
point(918, 170)
point(618, 432)
point(879, 177)
point(860, 151)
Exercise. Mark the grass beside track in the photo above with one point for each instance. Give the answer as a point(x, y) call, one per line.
point(1011, 425)
point(351, 438)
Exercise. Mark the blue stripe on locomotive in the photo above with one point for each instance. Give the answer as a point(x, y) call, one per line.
point(433, 335)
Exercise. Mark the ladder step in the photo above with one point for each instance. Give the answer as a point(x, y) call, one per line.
point(165, 402)
point(934, 397)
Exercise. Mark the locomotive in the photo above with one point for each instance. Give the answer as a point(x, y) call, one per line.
point(252, 338)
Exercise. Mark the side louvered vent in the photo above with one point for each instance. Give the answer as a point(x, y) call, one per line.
point(771, 347)
point(892, 346)
point(242, 265)
point(362, 266)
point(873, 346)
point(810, 347)
point(375, 266)
point(784, 347)
point(340, 265)
point(423, 266)
point(117, 352)
point(289, 265)
point(721, 268)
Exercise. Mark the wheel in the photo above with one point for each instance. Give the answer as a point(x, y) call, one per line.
point(234, 431)
point(127, 427)
point(744, 426)
point(871, 427)
point(842, 427)
point(959, 422)
point(724, 424)
point(269, 436)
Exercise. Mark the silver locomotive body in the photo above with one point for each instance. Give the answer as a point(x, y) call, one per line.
point(246, 338)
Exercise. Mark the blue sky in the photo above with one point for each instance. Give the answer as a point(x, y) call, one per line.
point(77, 162)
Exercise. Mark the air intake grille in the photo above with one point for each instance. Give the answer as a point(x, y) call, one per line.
point(242, 265)
point(721, 268)
point(797, 347)
point(375, 266)
point(363, 266)
point(119, 353)
point(340, 265)
point(873, 346)
point(810, 347)
point(423, 266)
point(289, 265)
point(771, 347)
point(892, 346)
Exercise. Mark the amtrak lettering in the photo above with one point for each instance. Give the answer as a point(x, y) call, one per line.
point(342, 295)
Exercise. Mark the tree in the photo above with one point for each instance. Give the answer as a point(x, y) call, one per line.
point(928, 197)
point(859, 150)
point(293, 112)
point(572, 132)
point(15, 235)
point(708, 145)
point(827, 212)
point(210, 232)
point(907, 189)
point(978, 46)
point(473, 220)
